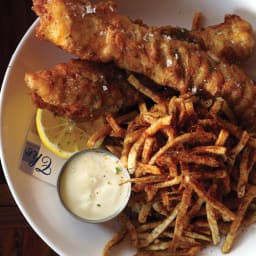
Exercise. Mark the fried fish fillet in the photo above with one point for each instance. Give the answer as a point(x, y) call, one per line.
point(232, 40)
point(81, 90)
point(96, 32)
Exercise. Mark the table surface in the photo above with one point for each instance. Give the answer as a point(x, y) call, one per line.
point(16, 236)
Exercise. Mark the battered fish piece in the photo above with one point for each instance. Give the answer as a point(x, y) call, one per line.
point(96, 32)
point(232, 40)
point(81, 90)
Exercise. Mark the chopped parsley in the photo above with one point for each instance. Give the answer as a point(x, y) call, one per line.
point(118, 170)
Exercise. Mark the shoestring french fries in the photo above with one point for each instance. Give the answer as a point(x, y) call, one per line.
point(192, 175)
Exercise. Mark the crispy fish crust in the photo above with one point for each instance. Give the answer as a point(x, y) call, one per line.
point(96, 32)
point(232, 40)
point(81, 90)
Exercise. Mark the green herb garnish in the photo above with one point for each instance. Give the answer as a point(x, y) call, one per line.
point(118, 170)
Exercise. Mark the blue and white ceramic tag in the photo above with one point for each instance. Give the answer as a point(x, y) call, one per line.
point(37, 160)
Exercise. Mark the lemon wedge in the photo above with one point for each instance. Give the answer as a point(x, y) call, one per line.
point(63, 136)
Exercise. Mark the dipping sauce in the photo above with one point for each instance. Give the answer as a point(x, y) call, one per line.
point(90, 185)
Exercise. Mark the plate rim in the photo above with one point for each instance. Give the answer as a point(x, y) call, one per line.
point(9, 182)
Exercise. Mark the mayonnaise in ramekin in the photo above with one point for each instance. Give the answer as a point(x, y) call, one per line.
point(91, 185)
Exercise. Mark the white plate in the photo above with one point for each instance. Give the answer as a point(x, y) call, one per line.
point(37, 200)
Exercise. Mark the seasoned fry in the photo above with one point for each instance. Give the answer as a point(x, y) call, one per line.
point(159, 208)
point(212, 218)
point(143, 169)
point(197, 236)
point(179, 223)
point(143, 107)
point(243, 174)
point(211, 200)
point(222, 137)
point(165, 198)
point(148, 179)
point(187, 157)
point(251, 194)
point(187, 137)
point(213, 225)
point(160, 228)
point(151, 130)
point(128, 142)
point(220, 174)
point(239, 147)
point(144, 90)
point(210, 149)
point(118, 131)
point(116, 150)
point(131, 229)
point(115, 239)
point(148, 226)
point(148, 149)
point(144, 212)
point(169, 183)
point(197, 21)
point(98, 136)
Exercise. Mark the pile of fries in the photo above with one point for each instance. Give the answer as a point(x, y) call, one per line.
point(192, 174)
point(192, 171)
